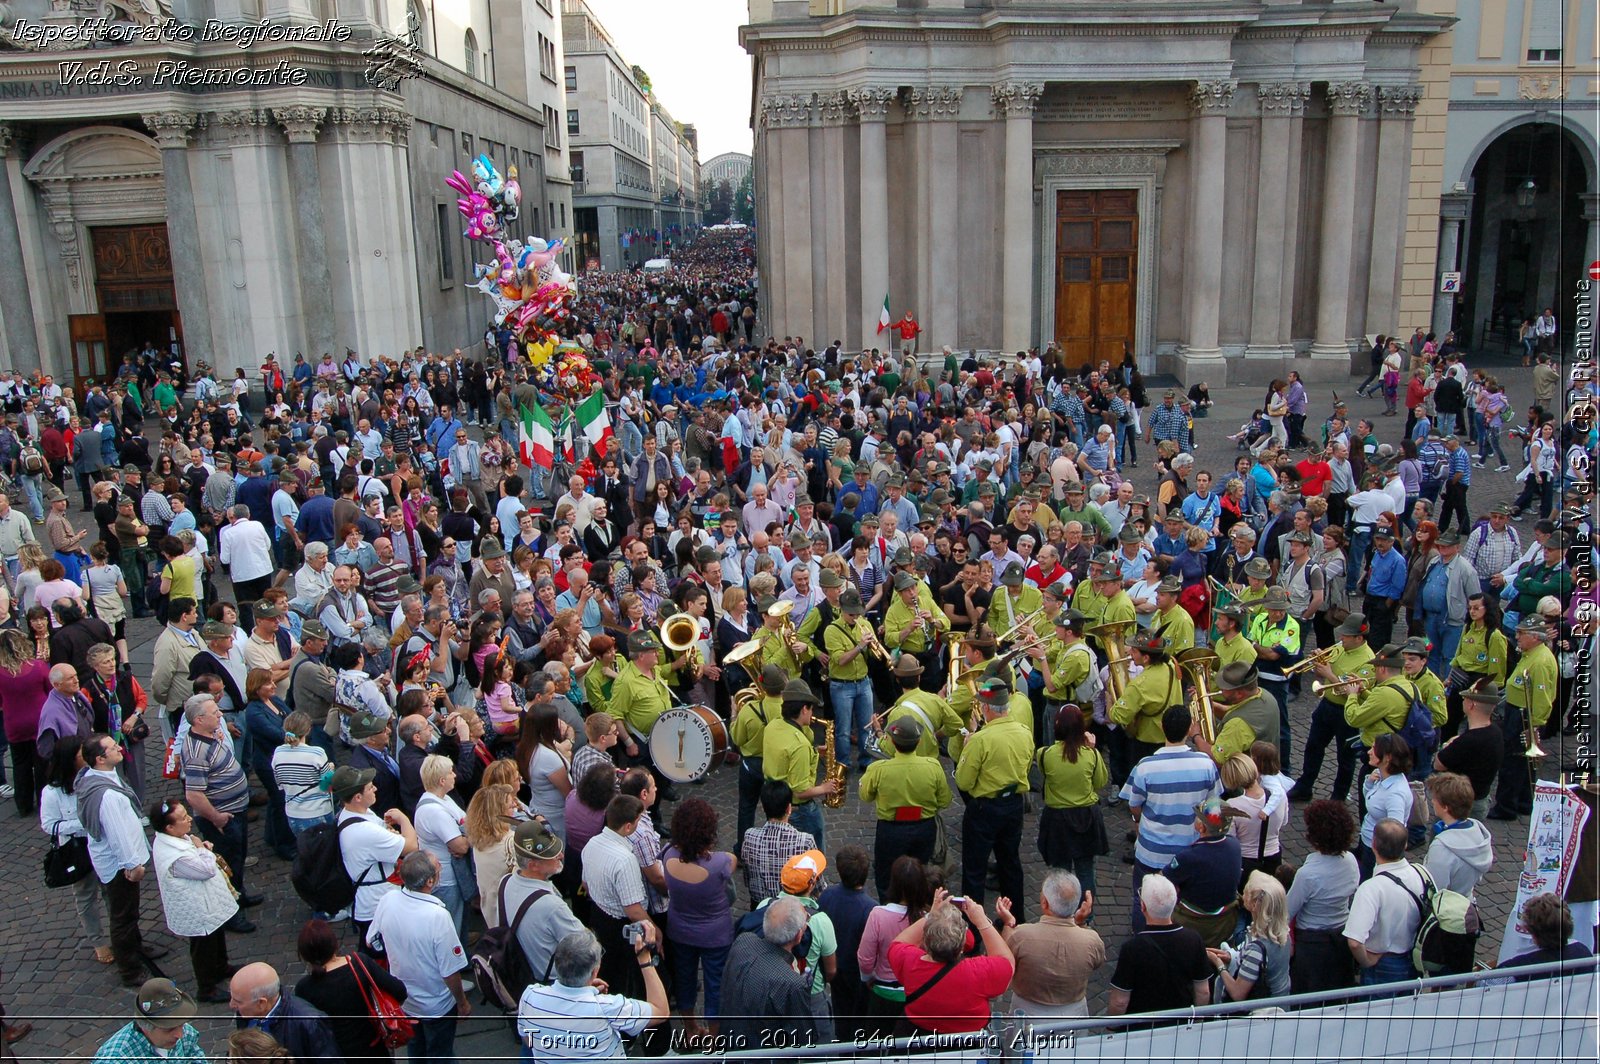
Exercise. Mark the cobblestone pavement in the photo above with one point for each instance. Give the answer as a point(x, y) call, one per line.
point(51, 979)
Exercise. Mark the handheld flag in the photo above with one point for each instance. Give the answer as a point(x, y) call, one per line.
point(884, 321)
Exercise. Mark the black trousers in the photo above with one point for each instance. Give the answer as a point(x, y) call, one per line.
point(209, 955)
point(898, 838)
point(1321, 962)
point(1455, 505)
point(750, 780)
point(122, 908)
point(231, 843)
point(27, 776)
point(1514, 794)
point(1380, 620)
point(993, 825)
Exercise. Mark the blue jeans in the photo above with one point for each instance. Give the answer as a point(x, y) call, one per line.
point(1489, 439)
point(1279, 690)
point(1446, 424)
point(450, 896)
point(1360, 544)
point(808, 817)
point(32, 485)
point(1392, 968)
point(298, 824)
point(852, 713)
point(1444, 636)
point(435, 1040)
point(711, 960)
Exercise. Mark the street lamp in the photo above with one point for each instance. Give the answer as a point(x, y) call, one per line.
point(1526, 193)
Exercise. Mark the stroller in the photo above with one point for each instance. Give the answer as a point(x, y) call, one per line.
point(1252, 433)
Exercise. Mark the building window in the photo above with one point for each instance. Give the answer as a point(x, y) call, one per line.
point(572, 79)
point(466, 144)
point(552, 131)
point(447, 236)
point(563, 216)
point(470, 45)
point(1545, 30)
point(575, 166)
point(572, 122)
point(1544, 55)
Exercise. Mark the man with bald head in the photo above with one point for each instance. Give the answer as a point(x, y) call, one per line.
point(259, 999)
point(342, 611)
point(65, 712)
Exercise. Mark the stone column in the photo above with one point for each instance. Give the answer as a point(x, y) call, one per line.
point(831, 249)
point(1015, 102)
point(172, 130)
point(16, 305)
point(937, 107)
point(872, 109)
point(1580, 340)
point(1202, 273)
point(1453, 208)
point(787, 118)
point(1591, 228)
point(300, 125)
point(1397, 108)
point(1283, 106)
point(1348, 101)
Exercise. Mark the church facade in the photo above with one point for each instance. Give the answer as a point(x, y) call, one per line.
point(1218, 189)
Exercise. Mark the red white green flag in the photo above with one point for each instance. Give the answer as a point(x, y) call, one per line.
point(538, 442)
point(593, 421)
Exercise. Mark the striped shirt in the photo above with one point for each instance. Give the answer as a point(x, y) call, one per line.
point(210, 767)
point(611, 874)
point(1459, 464)
point(561, 1023)
point(1166, 786)
point(298, 772)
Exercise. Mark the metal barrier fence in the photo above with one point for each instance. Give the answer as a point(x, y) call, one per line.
point(1481, 1016)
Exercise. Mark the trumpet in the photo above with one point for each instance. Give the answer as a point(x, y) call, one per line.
point(1317, 687)
point(873, 645)
point(1197, 663)
point(1311, 661)
point(1026, 622)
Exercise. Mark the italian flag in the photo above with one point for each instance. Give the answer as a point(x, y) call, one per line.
point(884, 321)
point(538, 443)
point(593, 422)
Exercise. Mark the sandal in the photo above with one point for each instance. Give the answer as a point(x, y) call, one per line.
point(103, 954)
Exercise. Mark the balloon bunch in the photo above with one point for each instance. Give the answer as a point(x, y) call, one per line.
point(532, 295)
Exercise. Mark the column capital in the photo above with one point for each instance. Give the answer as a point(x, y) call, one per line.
point(787, 110)
point(939, 102)
point(373, 124)
point(1591, 205)
point(1016, 99)
point(1211, 97)
point(10, 135)
point(1349, 99)
point(1283, 99)
point(300, 124)
point(832, 108)
point(244, 126)
point(1455, 206)
point(872, 105)
point(1398, 100)
point(172, 129)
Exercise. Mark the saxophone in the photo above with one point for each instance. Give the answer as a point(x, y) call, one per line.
point(831, 769)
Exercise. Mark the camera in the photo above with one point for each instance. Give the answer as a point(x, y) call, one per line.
point(957, 900)
point(633, 934)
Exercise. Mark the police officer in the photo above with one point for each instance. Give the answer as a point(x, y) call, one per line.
point(1353, 658)
point(929, 710)
point(1147, 697)
point(909, 790)
point(1251, 714)
point(1530, 696)
point(748, 733)
point(993, 773)
point(789, 753)
point(914, 623)
point(1276, 637)
point(639, 696)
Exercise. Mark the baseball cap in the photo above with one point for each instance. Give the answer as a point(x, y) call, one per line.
point(801, 872)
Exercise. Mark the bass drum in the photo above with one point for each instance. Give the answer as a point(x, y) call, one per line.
point(687, 742)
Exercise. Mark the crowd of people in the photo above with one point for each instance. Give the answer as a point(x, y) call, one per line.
point(451, 665)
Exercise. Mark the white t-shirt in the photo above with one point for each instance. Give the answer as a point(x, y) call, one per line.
point(419, 939)
point(1383, 916)
point(438, 820)
point(370, 849)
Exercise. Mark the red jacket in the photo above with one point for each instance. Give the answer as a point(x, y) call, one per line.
point(908, 328)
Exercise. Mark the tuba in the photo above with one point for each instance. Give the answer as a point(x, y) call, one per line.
point(1197, 664)
point(680, 633)
point(1110, 636)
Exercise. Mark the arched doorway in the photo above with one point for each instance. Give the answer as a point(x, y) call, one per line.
point(1525, 238)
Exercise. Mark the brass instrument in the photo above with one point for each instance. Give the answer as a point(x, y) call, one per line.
point(1110, 636)
point(1360, 682)
point(1198, 664)
point(1026, 622)
point(831, 769)
point(876, 648)
point(955, 660)
point(1311, 661)
point(744, 696)
point(680, 633)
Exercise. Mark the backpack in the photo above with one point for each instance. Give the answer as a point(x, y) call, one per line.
point(32, 460)
point(499, 966)
point(1447, 937)
point(1092, 685)
point(318, 873)
point(751, 922)
point(1419, 731)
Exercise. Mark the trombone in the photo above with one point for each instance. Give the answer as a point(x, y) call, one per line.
point(1311, 661)
point(1197, 663)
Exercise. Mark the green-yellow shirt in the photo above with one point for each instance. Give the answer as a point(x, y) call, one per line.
point(1431, 690)
point(1068, 665)
point(961, 697)
point(840, 638)
point(906, 783)
point(788, 754)
point(935, 711)
point(1005, 611)
point(902, 631)
point(775, 650)
point(1144, 700)
point(1118, 609)
point(1071, 784)
point(1349, 661)
point(749, 727)
point(1482, 652)
point(1381, 709)
point(1019, 709)
point(597, 688)
point(1234, 648)
point(181, 571)
point(638, 699)
point(995, 760)
point(1089, 602)
point(1176, 627)
point(1533, 684)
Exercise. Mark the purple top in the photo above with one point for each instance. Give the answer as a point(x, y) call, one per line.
point(62, 716)
point(583, 823)
point(21, 698)
point(701, 912)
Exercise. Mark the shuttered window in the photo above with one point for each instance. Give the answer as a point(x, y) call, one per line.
point(1545, 18)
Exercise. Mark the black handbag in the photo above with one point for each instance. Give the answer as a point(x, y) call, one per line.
point(67, 862)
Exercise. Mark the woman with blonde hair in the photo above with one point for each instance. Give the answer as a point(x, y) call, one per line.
point(439, 822)
point(1259, 844)
point(488, 830)
point(29, 557)
point(1259, 968)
